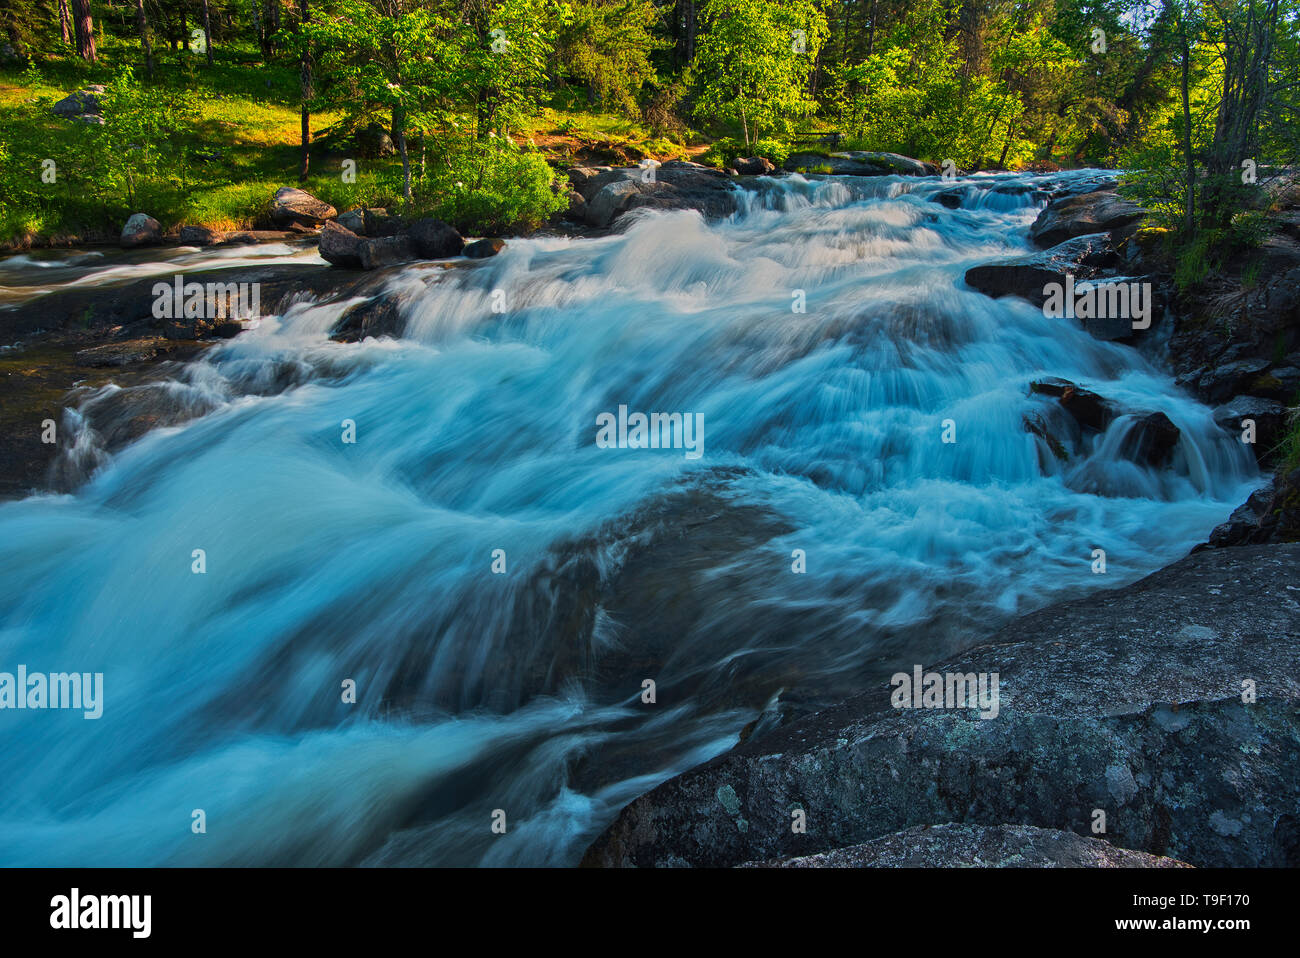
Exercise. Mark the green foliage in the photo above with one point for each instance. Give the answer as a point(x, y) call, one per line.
point(489, 188)
point(725, 151)
point(754, 63)
point(607, 45)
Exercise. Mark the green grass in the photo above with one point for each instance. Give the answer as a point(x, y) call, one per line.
point(245, 143)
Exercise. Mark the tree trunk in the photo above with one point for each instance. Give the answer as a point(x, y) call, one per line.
point(85, 30)
point(65, 21)
point(399, 134)
point(1189, 206)
point(207, 32)
point(304, 166)
point(143, 24)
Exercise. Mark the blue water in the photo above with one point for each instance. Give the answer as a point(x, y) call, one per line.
point(521, 692)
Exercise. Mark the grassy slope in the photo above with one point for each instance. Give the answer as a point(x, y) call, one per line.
point(249, 122)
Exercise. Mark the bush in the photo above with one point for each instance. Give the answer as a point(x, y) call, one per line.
point(490, 187)
point(725, 151)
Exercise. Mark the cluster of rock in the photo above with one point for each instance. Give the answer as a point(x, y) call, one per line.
point(1088, 237)
point(598, 195)
point(1168, 735)
point(1150, 441)
point(362, 238)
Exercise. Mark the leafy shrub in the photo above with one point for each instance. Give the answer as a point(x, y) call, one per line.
point(489, 187)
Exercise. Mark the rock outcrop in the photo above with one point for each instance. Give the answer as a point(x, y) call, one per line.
point(1180, 727)
point(978, 846)
point(609, 192)
point(1071, 216)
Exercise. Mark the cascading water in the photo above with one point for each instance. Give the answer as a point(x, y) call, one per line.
point(521, 691)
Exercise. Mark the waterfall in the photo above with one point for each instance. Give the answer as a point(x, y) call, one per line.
point(519, 689)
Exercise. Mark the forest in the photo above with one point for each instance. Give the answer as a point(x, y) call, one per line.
point(464, 108)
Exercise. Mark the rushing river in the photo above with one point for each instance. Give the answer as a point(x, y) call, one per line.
point(521, 691)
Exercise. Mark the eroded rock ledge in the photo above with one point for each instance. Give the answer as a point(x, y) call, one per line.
point(1130, 701)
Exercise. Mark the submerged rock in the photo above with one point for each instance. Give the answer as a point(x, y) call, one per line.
point(1172, 706)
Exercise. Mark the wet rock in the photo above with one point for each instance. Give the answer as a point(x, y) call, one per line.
point(482, 249)
point(140, 229)
point(610, 192)
point(294, 207)
point(339, 246)
point(1026, 276)
point(610, 201)
point(121, 353)
point(979, 846)
point(1128, 700)
point(1268, 415)
point(380, 316)
point(1153, 439)
point(92, 309)
point(753, 166)
point(1086, 407)
point(1218, 383)
point(952, 199)
point(434, 239)
point(1080, 215)
point(1244, 525)
point(387, 251)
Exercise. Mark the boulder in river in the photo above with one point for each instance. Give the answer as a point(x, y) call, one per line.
point(482, 249)
point(1271, 514)
point(1026, 276)
point(1153, 439)
point(140, 229)
point(1268, 416)
point(434, 239)
point(1101, 705)
point(380, 316)
point(1086, 407)
point(340, 246)
point(753, 166)
point(387, 251)
point(1080, 215)
point(294, 207)
point(677, 185)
